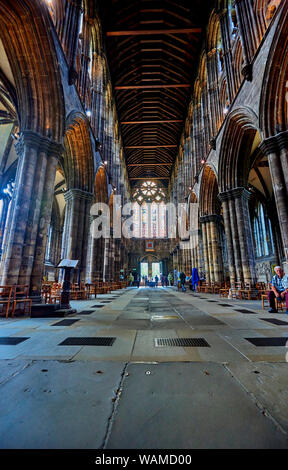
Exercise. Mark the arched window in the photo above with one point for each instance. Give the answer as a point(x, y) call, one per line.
point(262, 229)
point(149, 211)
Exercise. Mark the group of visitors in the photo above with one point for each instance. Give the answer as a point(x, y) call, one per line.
point(279, 284)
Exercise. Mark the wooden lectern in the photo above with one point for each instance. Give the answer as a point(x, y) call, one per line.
point(67, 265)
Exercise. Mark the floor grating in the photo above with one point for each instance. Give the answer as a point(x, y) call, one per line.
point(242, 310)
point(275, 321)
point(88, 341)
point(183, 342)
point(268, 341)
point(12, 341)
point(85, 312)
point(65, 323)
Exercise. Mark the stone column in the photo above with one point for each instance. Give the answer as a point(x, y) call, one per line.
point(228, 233)
point(6, 201)
point(205, 248)
point(70, 36)
point(214, 222)
point(239, 234)
point(23, 260)
point(227, 53)
point(248, 34)
point(76, 228)
point(245, 236)
point(213, 91)
point(45, 218)
point(276, 148)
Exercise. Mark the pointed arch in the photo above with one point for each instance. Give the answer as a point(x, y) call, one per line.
point(25, 27)
point(240, 130)
point(78, 157)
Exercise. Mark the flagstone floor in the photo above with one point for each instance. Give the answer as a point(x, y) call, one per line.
point(148, 368)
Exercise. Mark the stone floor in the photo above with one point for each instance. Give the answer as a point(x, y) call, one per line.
point(183, 371)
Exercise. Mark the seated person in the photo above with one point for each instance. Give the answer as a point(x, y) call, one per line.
point(279, 289)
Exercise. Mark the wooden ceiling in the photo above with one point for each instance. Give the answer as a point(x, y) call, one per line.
point(153, 52)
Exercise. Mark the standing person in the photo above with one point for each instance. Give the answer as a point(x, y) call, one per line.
point(182, 281)
point(195, 278)
point(131, 279)
point(138, 280)
point(170, 278)
point(162, 278)
point(279, 289)
point(156, 280)
point(175, 277)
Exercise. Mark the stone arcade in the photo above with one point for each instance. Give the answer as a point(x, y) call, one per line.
point(152, 103)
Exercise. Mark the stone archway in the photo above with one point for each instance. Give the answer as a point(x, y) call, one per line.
point(40, 110)
point(78, 170)
point(211, 226)
point(235, 163)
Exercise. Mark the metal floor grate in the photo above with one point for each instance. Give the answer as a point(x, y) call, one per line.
point(242, 310)
point(225, 305)
point(88, 341)
point(183, 342)
point(268, 341)
point(85, 312)
point(64, 323)
point(12, 341)
point(97, 306)
point(275, 321)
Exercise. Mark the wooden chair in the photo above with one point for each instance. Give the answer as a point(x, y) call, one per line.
point(235, 290)
point(279, 304)
point(20, 295)
point(203, 287)
point(6, 298)
point(224, 290)
point(46, 293)
point(55, 293)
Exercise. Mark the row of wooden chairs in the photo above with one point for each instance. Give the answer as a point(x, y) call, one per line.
point(51, 292)
point(236, 290)
point(11, 296)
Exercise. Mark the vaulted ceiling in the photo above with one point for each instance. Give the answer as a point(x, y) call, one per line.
point(153, 52)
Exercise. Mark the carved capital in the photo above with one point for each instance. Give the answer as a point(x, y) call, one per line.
point(275, 144)
point(39, 142)
point(235, 193)
point(74, 193)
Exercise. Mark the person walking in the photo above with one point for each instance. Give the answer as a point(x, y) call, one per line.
point(182, 281)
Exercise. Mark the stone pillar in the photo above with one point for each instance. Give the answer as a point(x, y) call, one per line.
point(276, 148)
point(70, 36)
point(235, 239)
point(227, 53)
point(239, 235)
point(205, 248)
point(4, 214)
point(214, 222)
point(76, 228)
point(23, 260)
point(229, 241)
point(213, 91)
point(248, 34)
point(45, 217)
